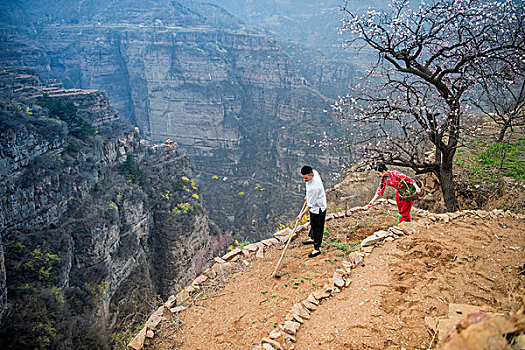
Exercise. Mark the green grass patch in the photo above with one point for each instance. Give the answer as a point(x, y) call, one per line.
point(483, 161)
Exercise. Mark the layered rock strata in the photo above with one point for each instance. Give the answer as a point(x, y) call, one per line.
point(246, 113)
point(86, 222)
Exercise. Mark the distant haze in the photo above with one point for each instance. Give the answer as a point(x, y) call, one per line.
point(312, 23)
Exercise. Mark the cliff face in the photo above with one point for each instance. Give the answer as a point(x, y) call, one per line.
point(92, 229)
point(230, 97)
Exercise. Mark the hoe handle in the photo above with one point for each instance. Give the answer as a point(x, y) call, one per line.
point(287, 243)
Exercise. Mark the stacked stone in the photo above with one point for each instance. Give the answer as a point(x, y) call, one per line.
point(284, 337)
point(222, 266)
point(428, 219)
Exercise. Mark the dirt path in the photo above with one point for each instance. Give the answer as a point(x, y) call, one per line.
point(470, 260)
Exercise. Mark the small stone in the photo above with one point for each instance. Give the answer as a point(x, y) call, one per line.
point(283, 234)
point(390, 239)
point(273, 241)
point(268, 242)
point(290, 337)
point(211, 273)
point(251, 247)
point(443, 217)
point(431, 322)
point(190, 289)
point(177, 309)
point(290, 327)
point(367, 250)
point(236, 258)
point(138, 341)
point(409, 227)
point(310, 306)
point(267, 346)
point(299, 228)
point(221, 269)
point(347, 264)
point(373, 239)
point(260, 253)
point(483, 213)
point(219, 260)
point(348, 281)
point(200, 280)
point(321, 294)
point(272, 342)
point(153, 321)
point(150, 334)
point(312, 299)
point(329, 287)
point(341, 272)
point(338, 280)
point(159, 311)
point(170, 302)
point(230, 255)
point(182, 297)
point(297, 318)
point(274, 334)
point(300, 310)
point(396, 231)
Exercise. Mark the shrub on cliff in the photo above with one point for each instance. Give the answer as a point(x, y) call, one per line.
point(15, 118)
point(67, 112)
point(131, 170)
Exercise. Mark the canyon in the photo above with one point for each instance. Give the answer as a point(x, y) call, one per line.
point(92, 229)
point(188, 131)
point(247, 113)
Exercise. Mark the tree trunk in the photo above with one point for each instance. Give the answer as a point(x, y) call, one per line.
point(446, 177)
point(502, 132)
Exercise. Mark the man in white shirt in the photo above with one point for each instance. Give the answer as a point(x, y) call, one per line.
point(316, 205)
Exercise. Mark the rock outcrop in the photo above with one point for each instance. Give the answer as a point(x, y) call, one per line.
point(245, 112)
point(86, 221)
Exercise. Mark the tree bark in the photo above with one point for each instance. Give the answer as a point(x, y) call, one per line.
point(446, 177)
point(502, 132)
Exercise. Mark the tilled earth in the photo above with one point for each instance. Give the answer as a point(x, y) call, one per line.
point(469, 260)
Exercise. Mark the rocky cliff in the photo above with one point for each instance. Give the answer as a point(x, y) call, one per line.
point(93, 227)
point(246, 113)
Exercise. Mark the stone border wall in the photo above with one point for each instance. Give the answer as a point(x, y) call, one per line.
point(284, 336)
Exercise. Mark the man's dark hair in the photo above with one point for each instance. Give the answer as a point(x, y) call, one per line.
point(380, 167)
point(305, 170)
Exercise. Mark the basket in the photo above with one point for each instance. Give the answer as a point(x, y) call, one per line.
point(408, 191)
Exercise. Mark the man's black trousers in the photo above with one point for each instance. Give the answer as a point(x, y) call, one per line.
point(317, 228)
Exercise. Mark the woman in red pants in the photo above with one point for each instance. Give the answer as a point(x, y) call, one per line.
point(393, 178)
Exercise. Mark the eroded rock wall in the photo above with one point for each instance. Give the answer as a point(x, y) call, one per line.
point(92, 230)
point(247, 113)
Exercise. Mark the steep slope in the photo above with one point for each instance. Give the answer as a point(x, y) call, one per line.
point(190, 72)
point(94, 225)
point(383, 302)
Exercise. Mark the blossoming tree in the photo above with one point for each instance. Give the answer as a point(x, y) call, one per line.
point(431, 61)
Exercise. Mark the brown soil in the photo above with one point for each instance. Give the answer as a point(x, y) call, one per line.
point(469, 260)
